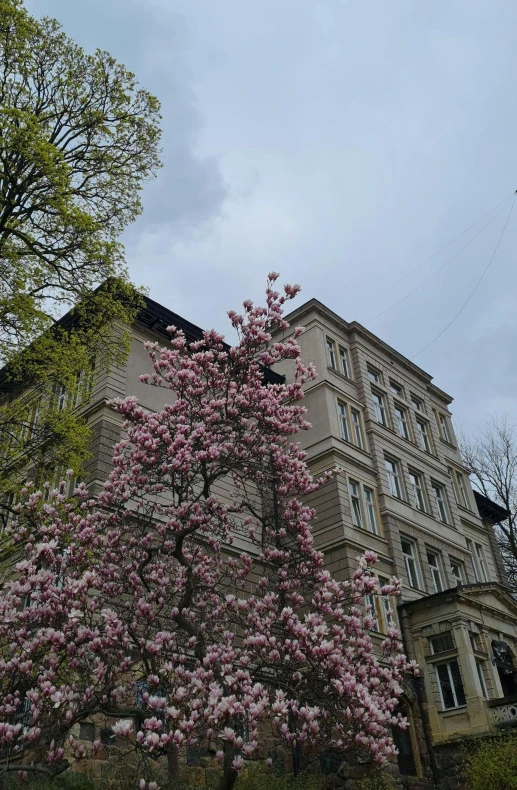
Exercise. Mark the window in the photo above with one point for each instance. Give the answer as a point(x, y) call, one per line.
point(331, 351)
point(450, 684)
point(401, 422)
point(480, 666)
point(343, 361)
point(441, 643)
point(444, 428)
point(343, 416)
point(436, 574)
point(440, 501)
point(458, 572)
point(417, 487)
point(396, 389)
point(369, 504)
point(392, 468)
point(379, 408)
point(350, 428)
point(60, 397)
point(380, 609)
point(417, 403)
point(478, 561)
point(355, 503)
point(356, 422)
point(374, 375)
point(424, 440)
point(410, 562)
point(481, 562)
point(461, 490)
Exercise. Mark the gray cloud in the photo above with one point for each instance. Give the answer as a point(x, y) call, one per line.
point(341, 144)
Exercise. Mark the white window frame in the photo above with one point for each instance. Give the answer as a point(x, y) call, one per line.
point(344, 421)
point(461, 567)
point(379, 407)
point(61, 397)
point(356, 424)
point(451, 681)
point(481, 561)
point(394, 480)
point(396, 389)
point(444, 428)
point(417, 403)
point(354, 492)
point(344, 361)
point(440, 502)
point(462, 490)
point(411, 563)
point(373, 374)
point(435, 568)
point(418, 488)
point(331, 352)
point(401, 421)
point(370, 509)
point(423, 435)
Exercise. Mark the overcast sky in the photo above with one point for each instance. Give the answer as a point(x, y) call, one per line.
point(340, 143)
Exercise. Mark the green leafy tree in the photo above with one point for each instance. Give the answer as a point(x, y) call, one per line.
point(78, 139)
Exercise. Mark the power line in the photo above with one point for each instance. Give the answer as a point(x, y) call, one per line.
point(475, 287)
point(433, 255)
point(420, 285)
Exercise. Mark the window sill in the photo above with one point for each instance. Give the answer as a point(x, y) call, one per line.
point(364, 531)
point(341, 375)
point(355, 446)
point(453, 711)
point(448, 444)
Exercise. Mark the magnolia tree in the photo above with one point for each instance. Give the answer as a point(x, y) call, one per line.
point(187, 602)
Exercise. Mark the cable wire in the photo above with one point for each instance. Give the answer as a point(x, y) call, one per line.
point(475, 287)
point(433, 255)
point(420, 285)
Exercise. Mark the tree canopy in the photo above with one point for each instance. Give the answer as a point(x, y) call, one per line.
point(78, 138)
point(187, 601)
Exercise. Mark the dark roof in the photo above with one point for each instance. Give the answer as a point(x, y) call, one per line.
point(157, 318)
point(490, 510)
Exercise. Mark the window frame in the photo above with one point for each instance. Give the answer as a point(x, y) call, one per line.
point(351, 431)
point(446, 649)
point(453, 688)
point(435, 570)
point(461, 567)
point(481, 560)
point(373, 374)
point(357, 427)
point(355, 503)
point(397, 390)
point(412, 556)
point(380, 408)
point(344, 360)
point(417, 403)
point(371, 510)
point(445, 515)
point(401, 418)
point(330, 345)
point(394, 475)
point(480, 664)
point(423, 435)
point(462, 490)
point(444, 428)
point(421, 488)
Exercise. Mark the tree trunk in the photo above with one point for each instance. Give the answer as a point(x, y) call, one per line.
point(229, 776)
point(173, 767)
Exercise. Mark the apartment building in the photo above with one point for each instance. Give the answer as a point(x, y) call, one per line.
point(401, 491)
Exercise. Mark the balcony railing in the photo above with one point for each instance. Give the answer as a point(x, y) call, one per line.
point(504, 711)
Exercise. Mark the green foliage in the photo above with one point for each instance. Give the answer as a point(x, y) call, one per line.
point(257, 776)
point(78, 138)
point(492, 765)
point(69, 780)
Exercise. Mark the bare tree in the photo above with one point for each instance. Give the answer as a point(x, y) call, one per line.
point(491, 458)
